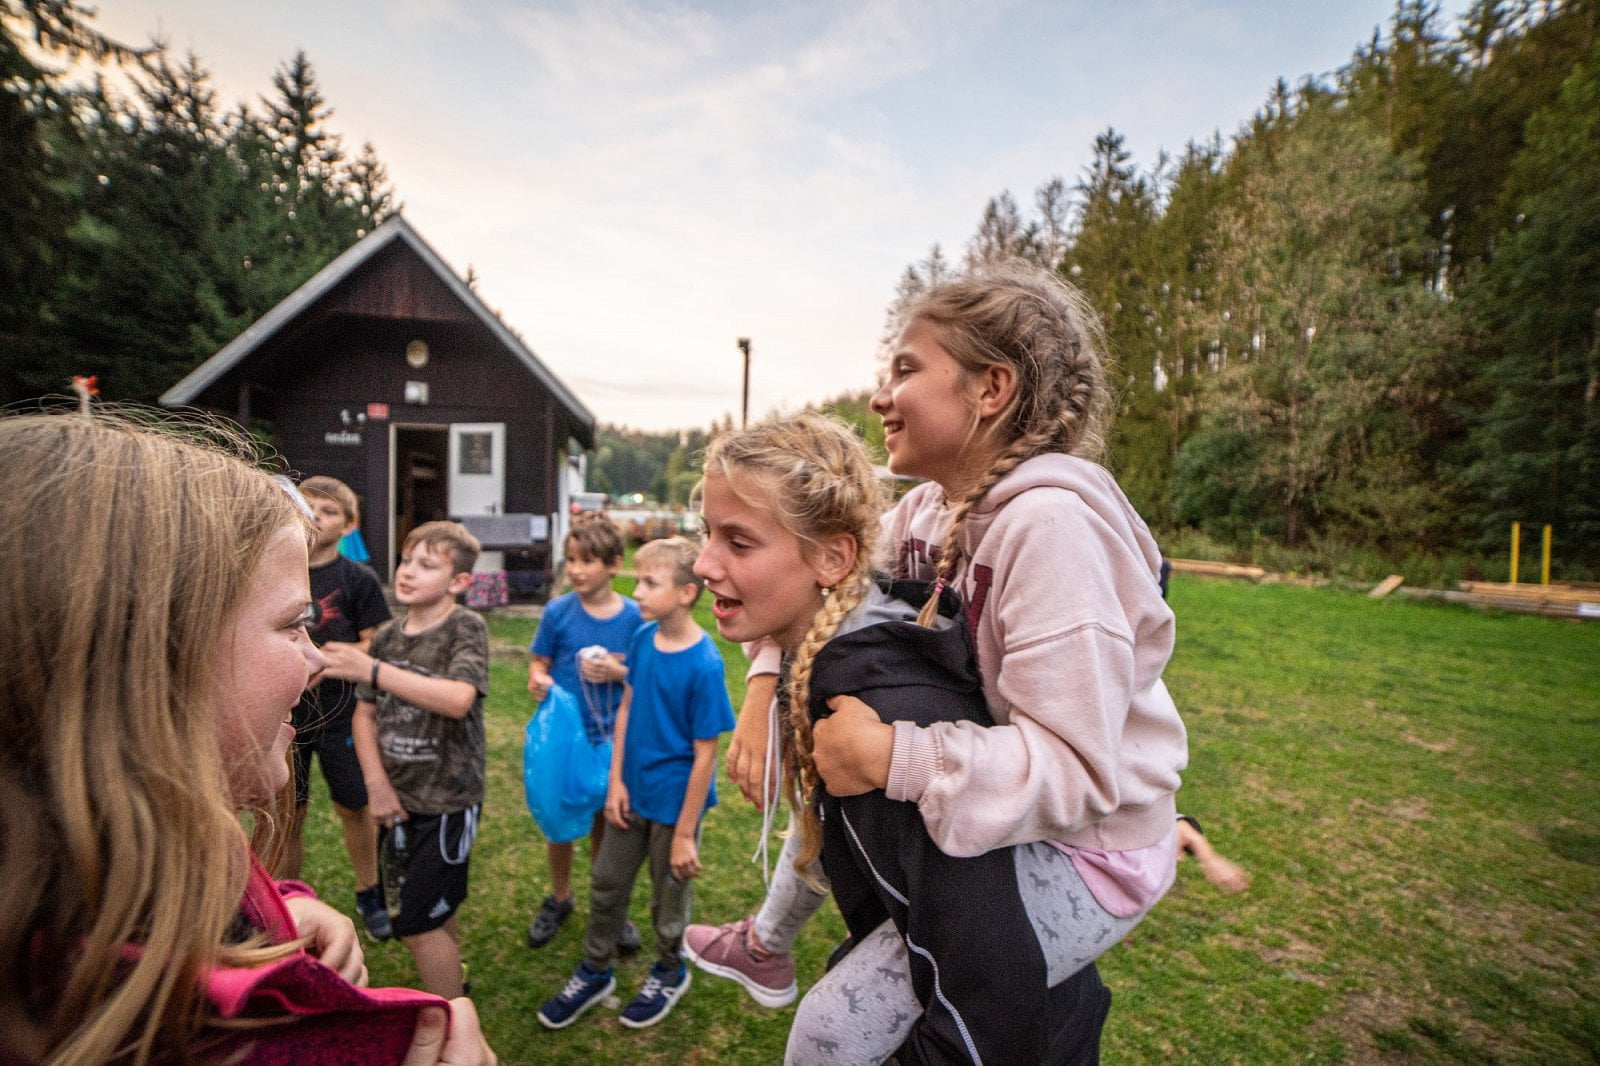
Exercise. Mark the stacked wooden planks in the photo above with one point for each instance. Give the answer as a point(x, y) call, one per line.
point(1210, 569)
point(1559, 601)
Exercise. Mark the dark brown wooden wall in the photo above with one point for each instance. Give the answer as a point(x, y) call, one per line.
point(348, 351)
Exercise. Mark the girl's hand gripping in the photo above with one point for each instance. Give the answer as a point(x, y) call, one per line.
point(462, 1045)
point(330, 937)
point(852, 748)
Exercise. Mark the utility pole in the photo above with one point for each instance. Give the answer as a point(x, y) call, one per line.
point(744, 399)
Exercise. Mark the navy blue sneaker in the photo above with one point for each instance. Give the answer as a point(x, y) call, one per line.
point(584, 989)
point(374, 915)
point(661, 990)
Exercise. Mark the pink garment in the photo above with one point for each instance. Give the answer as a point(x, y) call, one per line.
point(765, 657)
point(1059, 576)
point(1130, 882)
point(334, 1021)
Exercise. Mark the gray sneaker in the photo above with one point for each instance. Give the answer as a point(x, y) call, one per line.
point(547, 923)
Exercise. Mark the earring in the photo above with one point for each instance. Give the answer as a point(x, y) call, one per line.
point(827, 590)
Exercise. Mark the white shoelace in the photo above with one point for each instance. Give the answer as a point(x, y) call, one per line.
point(575, 985)
point(769, 759)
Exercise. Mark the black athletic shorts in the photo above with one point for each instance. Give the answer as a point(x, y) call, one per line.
point(439, 847)
point(336, 754)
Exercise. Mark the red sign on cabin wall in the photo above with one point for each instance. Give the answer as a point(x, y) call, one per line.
point(378, 411)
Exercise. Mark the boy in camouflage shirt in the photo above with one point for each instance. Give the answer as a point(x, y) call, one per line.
point(418, 731)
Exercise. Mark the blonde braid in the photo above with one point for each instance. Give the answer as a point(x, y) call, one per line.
point(815, 478)
point(799, 761)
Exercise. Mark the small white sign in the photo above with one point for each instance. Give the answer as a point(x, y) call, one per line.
point(343, 436)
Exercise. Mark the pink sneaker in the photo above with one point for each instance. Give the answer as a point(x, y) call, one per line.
point(724, 951)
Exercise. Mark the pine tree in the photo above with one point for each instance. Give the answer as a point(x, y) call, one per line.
point(39, 163)
point(1111, 259)
point(1538, 440)
point(1331, 348)
point(1000, 235)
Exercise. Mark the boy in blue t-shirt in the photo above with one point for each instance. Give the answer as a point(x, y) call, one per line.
point(663, 770)
point(593, 614)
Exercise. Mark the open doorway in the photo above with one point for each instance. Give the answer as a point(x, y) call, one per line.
point(421, 460)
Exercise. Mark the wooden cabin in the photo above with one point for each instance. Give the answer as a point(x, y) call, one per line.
point(387, 371)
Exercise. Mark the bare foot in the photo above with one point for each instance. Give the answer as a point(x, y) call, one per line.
point(1228, 876)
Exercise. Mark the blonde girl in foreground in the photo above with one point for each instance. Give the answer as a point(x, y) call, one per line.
point(153, 617)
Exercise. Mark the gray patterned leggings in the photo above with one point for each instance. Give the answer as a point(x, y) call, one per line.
point(862, 1009)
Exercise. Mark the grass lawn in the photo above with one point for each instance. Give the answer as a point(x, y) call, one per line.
point(1413, 787)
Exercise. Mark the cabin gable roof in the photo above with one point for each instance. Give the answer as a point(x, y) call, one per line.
point(435, 294)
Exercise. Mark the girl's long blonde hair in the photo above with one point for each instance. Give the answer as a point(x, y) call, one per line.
point(813, 475)
point(124, 548)
point(1039, 325)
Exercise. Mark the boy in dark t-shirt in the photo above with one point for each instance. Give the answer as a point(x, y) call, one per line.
point(348, 606)
point(418, 731)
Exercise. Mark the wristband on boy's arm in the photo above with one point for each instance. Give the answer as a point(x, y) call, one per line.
point(375, 664)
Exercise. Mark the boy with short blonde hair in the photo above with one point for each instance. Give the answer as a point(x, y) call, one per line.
point(674, 708)
point(419, 735)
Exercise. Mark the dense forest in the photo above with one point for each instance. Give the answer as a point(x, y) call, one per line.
point(142, 230)
point(1367, 325)
point(1369, 322)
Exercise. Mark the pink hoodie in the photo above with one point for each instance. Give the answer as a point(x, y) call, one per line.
point(1060, 577)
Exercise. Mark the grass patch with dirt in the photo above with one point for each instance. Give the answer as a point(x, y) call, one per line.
point(1413, 786)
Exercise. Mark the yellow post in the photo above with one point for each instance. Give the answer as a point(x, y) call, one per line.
point(1544, 572)
point(1516, 549)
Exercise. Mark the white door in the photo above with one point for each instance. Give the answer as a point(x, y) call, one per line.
point(477, 475)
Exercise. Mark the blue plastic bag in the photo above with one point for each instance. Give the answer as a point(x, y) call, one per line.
point(352, 547)
point(564, 777)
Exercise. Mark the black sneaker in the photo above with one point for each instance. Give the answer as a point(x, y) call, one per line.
point(369, 902)
point(547, 923)
point(629, 943)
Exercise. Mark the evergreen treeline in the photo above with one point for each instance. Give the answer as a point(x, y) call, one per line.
point(1369, 322)
point(664, 466)
point(143, 231)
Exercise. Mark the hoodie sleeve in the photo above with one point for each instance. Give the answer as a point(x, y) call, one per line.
point(1057, 649)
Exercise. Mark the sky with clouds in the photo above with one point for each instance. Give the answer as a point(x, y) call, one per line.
point(639, 184)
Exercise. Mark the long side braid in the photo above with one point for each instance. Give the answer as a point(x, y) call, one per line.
point(1041, 327)
point(814, 476)
point(1015, 453)
point(801, 765)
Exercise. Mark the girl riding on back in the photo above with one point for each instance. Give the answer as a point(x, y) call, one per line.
point(995, 393)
